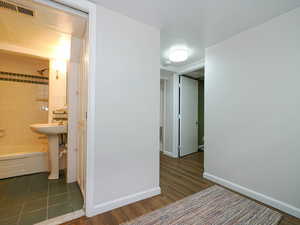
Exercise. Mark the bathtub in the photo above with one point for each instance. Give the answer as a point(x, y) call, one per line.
point(25, 159)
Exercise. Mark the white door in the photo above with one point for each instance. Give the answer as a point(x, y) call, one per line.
point(82, 115)
point(188, 116)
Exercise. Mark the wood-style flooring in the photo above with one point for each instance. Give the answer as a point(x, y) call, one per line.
point(178, 178)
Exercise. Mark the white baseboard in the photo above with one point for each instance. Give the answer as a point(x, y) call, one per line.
point(169, 154)
point(287, 208)
point(107, 206)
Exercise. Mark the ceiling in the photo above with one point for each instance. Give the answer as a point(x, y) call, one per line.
point(198, 24)
point(44, 34)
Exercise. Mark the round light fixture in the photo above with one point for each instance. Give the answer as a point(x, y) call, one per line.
point(178, 55)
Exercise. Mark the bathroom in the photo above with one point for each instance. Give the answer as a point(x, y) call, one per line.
point(42, 112)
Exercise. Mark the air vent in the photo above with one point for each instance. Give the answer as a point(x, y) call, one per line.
point(25, 11)
point(17, 8)
point(7, 5)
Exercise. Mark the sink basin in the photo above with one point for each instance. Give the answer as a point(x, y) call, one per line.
point(50, 128)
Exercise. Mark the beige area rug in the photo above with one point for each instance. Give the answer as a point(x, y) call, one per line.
point(213, 206)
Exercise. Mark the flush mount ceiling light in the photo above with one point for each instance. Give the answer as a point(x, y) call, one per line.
point(178, 55)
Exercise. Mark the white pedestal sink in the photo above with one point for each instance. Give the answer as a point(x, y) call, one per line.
point(52, 130)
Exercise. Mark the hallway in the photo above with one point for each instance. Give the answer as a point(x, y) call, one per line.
point(178, 178)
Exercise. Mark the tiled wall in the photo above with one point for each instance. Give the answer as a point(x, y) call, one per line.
point(21, 103)
point(57, 88)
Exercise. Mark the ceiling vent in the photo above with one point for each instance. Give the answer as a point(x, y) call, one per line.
point(17, 8)
point(7, 5)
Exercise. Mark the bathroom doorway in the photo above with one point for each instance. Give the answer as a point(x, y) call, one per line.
point(191, 111)
point(42, 177)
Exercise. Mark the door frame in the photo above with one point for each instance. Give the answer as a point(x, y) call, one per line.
point(164, 80)
point(90, 8)
point(176, 110)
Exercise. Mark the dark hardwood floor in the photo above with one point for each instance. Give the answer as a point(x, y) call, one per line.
point(178, 178)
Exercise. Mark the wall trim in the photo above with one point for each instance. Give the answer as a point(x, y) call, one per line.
point(168, 68)
point(287, 208)
point(191, 67)
point(165, 114)
point(107, 206)
point(164, 78)
point(185, 68)
point(175, 114)
point(170, 154)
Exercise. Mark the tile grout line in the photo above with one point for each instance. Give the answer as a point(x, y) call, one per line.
point(35, 210)
point(23, 204)
point(47, 203)
point(20, 214)
point(70, 199)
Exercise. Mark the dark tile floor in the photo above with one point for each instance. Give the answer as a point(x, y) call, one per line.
point(29, 199)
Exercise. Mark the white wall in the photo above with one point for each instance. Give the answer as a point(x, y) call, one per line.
point(126, 166)
point(252, 122)
point(57, 87)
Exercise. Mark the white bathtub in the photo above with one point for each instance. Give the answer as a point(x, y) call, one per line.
point(25, 159)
